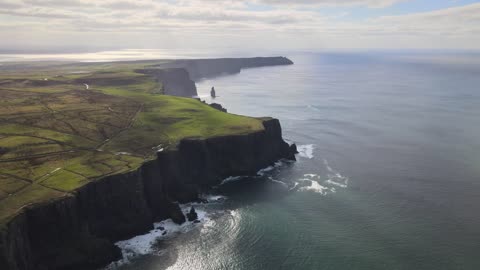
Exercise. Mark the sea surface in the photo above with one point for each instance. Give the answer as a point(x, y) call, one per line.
point(388, 175)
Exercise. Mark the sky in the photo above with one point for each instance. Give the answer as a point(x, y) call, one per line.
point(57, 26)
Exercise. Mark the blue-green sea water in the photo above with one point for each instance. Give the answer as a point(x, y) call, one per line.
point(388, 175)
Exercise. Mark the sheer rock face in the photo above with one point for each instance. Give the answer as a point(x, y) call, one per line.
point(177, 77)
point(78, 230)
point(174, 81)
point(207, 68)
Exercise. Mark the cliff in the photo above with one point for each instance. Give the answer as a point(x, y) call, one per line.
point(174, 81)
point(206, 68)
point(78, 230)
point(177, 77)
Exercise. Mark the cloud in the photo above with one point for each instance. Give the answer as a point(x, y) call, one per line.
point(10, 4)
point(284, 23)
point(38, 12)
point(367, 3)
point(56, 3)
point(450, 21)
point(315, 3)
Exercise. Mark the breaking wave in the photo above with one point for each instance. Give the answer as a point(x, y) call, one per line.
point(260, 173)
point(323, 185)
point(147, 243)
point(305, 151)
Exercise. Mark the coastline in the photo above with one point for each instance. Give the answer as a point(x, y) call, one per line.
point(78, 231)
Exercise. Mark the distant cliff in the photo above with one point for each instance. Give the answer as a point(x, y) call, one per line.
point(206, 68)
point(78, 230)
point(177, 77)
point(174, 81)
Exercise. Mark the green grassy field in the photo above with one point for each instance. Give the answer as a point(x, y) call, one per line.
point(56, 135)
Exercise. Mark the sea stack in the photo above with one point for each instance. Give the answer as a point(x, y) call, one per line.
point(192, 215)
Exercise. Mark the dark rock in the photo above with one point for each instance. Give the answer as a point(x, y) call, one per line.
point(161, 228)
point(212, 92)
point(292, 151)
point(218, 107)
point(175, 81)
point(196, 221)
point(202, 200)
point(293, 148)
point(207, 68)
point(176, 214)
point(165, 232)
point(192, 215)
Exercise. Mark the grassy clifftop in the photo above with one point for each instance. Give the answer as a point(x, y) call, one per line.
point(64, 126)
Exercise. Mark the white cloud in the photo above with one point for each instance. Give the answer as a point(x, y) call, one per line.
point(451, 21)
point(367, 3)
point(287, 24)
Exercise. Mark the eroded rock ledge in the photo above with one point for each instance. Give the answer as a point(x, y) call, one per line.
point(78, 230)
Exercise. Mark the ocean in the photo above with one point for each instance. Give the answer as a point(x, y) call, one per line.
point(388, 174)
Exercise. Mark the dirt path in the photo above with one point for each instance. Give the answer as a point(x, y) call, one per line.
point(130, 124)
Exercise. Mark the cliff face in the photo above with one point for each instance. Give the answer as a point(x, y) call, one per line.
point(177, 77)
point(78, 231)
point(205, 68)
point(175, 81)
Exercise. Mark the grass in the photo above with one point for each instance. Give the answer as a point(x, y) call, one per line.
point(64, 180)
point(56, 136)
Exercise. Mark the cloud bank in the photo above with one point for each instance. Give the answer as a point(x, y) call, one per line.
point(282, 24)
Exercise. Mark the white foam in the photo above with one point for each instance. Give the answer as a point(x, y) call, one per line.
point(265, 170)
point(327, 166)
point(231, 179)
point(334, 180)
point(288, 141)
point(315, 187)
point(269, 168)
point(278, 181)
point(336, 183)
point(145, 244)
point(294, 186)
point(214, 198)
point(260, 173)
point(305, 151)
